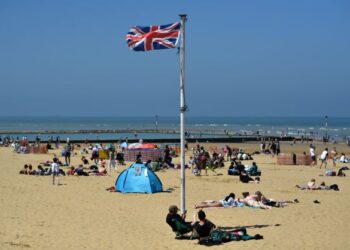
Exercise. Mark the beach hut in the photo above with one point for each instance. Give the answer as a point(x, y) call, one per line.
point(138, 179)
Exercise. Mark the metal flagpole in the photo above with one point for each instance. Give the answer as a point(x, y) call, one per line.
point(183, 109)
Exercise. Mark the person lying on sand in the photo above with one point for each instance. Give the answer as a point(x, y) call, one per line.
point(323, 186)
point(272, 202)
point(279, 203)
point(229, 201)
point(257, 201)
point(311, 185)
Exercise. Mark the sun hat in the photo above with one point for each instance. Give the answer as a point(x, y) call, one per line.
point(173, 209)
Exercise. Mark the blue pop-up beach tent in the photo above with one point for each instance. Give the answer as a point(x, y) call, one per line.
point(138, 179)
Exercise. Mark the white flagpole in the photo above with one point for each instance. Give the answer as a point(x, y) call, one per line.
point(183, 109)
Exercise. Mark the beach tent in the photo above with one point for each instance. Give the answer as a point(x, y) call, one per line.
point(138, 179)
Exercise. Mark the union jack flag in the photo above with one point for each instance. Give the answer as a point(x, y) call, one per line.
point(154, 37)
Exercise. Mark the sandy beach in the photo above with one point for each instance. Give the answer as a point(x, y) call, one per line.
point(80, 214)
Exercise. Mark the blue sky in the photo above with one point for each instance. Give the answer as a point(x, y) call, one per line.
point(244, 58)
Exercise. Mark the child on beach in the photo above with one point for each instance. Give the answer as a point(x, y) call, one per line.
point(191, 163)
point(112, 161)
point(55, 169)
point(313, 155)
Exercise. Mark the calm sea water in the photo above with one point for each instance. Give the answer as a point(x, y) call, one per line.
point(337, 127)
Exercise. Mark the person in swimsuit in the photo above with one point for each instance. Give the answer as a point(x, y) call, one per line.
point(311, 185)
point(257, 200)
point(229, 201)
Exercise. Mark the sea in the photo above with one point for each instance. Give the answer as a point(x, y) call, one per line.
point(336, 128)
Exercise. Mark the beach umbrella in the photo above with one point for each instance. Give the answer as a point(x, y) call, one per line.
point(142, 146)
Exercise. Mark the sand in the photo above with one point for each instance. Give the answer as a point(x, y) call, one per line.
point(80, 214)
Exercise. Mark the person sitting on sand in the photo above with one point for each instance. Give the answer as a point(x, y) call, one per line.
point(101, 169)
point(201, 226)
point(228, 201)
point(207, 233)
point(24, 170)
point(253, 170)
point(341, 173)
point(84, 160)
point(343, 158)
point(232, 169)
point(257, 201)
point(177, 222)
point(149, 165)
point(80, 171)
point(311, 185)
point(245, 178)
point(71, 171)
point(31, 171)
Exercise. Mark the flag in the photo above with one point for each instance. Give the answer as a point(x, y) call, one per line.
point(145, 38)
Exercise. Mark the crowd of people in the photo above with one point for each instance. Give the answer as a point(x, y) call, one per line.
point(91, 164)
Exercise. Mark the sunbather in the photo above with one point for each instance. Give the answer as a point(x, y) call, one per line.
point(229, 201)
point(311, 185)
point(257, 200)
point(323, 186)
